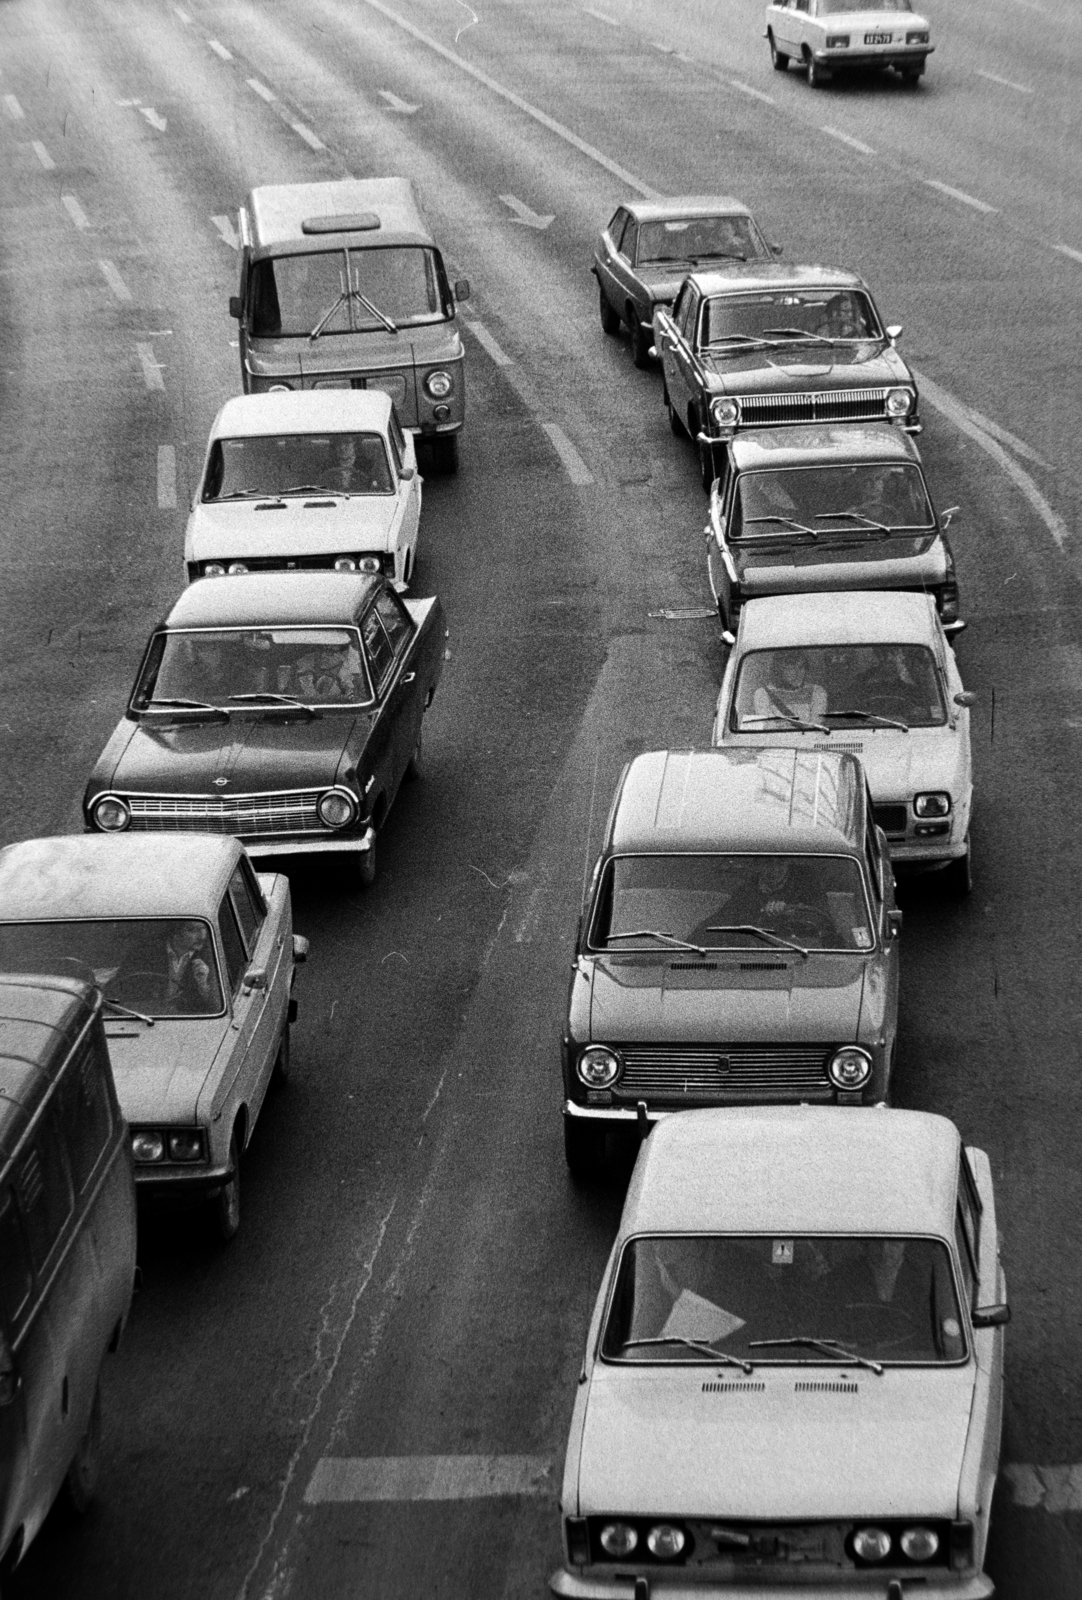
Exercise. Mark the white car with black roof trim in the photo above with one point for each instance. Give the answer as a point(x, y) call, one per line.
point(195, 956)
point(303, 483)
point(828, 37)
point(793, 1377)
point(872, 673)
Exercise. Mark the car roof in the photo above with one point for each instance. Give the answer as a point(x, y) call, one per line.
point(821, 444)
point(79, 875)
point(40, 1020)
point(827, 1169)
point(875, 616)
point(686, 205)
point(755, 797)
point(310, 411)
point(278, 212)
point(268, 599)
point(777, 275)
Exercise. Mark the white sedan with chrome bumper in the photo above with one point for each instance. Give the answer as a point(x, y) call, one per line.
point(826, 37)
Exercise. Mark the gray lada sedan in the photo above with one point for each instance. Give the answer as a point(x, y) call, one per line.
point(737, 944)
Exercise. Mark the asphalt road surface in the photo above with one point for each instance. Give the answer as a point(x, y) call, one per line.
point(414, 1271)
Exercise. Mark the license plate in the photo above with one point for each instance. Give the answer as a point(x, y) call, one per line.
point(877, 38)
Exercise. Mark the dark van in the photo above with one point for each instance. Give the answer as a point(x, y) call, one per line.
point(67, 1246)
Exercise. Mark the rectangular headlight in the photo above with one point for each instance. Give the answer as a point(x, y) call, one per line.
point(936, 804)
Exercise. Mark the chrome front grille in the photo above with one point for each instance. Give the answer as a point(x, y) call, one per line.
point(828, 405)
point(710, 1073)
point(247, 815)
point(892, 819)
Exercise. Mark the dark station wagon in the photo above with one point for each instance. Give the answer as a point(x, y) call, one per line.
point(284, 708)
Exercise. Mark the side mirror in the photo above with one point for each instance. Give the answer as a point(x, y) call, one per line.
point(894, 332)
point(652, 352)
point(894, 922)
point(951, 628)
point(950, 514)
point(462, 288)
point(407, 474)
point(728, 638)
point(236, 306)
point(992, 1316)
point(775, 249)
point(965, 697)
point(300, 949)
point(255, 978)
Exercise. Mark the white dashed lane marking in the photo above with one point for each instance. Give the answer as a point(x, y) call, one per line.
point(220, 50)
point(574, 465)
point(1004, 83)
point(74, 210)
point(1053, 1489)
point(167, 478)
point(261, 90)
point(484, 338)
point(43, 155)
point(14, 109)
point(155, 120)
point(227, 231)
point(1065, 250)
point(311, 139)
point(847, 138)
point(114, 280)
point(353, 1479)
point(184, 17)
point(960, 194)
point(754, 94)
point(152, 371)
point(601, 16)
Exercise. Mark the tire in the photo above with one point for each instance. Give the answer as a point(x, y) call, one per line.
point(444, 455)
point(912, 76)
point(641, 340)
point(778, 59)
point(584, 1151)
point(818, 77)
point(226, 1202)
point(958, 877)
point(82, 1476)
point(415, 768)
point(280, 1070)
point(610, 322)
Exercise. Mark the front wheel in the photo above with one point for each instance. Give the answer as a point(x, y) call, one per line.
point(82, 1476)
point(778, 59)
point(226, 1202)
point(641, 340)
point(610, 322)
point(584, 1150)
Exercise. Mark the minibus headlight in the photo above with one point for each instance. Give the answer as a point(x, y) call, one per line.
point(439, 384)
point(186, 1144)
point(147, 1146)
point(850, 1067)
point(110, 814)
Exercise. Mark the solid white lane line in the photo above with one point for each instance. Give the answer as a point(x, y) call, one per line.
point(962, 419)
point(1065, 250)
point(220, 50)
point(601, 16)
point(353, 1479)
point(152, 372)
point(43, 155)
point(310, 138)
point(74, 210)
point(167, 478)
point(1005, 83)
point(746, 88)
point(847, 138)
point(1011, 440)
point(1053, 1489)
point(14, 109)
point(516, 100)
point(261, 90)
point(114, 280)
point(960, 194)
point(574, 465)
point(484, 338)
point(227, 231)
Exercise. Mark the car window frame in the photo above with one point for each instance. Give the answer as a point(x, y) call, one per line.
point(224, 917)
point(14, 1316)
point(617, 224)
point(258, 906)
point(388, 599)
point(383, 677)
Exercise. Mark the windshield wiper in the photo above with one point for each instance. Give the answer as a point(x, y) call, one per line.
point(786, 522)
point(829, 1347)
point(343, 299)
point(241, 494)
point(794, 722)
point(267, 697)
point(795, 333)
point(720, 255)
point(852, 516)
point(870, 716)
point(764, 933)
point(304, 488)
point(749, 341)
point(126, 1011)
point(347, 297)
point(652, 933)
point(183, 705)
point(692, 1344)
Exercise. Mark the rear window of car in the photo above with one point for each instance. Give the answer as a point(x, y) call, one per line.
point(687, 239)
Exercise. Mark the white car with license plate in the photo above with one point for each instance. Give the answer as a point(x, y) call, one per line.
point(793, 1380)
point(870, 673)
point(194, 953)
point(827, 37)
point(306, 481)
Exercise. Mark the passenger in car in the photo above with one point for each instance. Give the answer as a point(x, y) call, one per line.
point(790, 692)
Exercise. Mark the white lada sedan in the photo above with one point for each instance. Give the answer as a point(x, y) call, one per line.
point(793, 1379)
point(871, 673)
point(306, 481)
point(826, 37)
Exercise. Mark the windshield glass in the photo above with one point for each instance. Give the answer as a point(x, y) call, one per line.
point(816, 901)
point(298, 463)
point(884, 1298)
point(698, 238)
point(786, 314)
point(838, 8)
point(836, 683)
point(834, 499)
point(158, 966)
point(215, 666)
point(292, 294)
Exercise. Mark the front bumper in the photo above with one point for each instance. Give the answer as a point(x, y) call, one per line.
point(856, 1586)
point(303, 845)
point(177, 1180)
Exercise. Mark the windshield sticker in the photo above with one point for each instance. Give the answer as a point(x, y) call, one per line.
point(781, 1253)
point(694, 1317)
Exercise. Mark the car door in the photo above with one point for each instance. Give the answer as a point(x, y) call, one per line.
point(982, 1276)
point(408, 480)
point(266, 957)
point(800, 24)
point(406, 692)
point(719, 561)
point(780, 21)
point(236, 1077)
point(607, 257)
point(684, 391)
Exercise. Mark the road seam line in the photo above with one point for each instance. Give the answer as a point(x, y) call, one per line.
point(1006, 83)
point(600, 16)
point(960, 194)
point(114, 280)
point(1066, 250)
point(574, 465)
point(167, 478)
point(746, 88)
point(184, 17)
point(226, 231)
point(847, 138)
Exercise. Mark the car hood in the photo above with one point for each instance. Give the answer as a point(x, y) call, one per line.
point(653, 1441)
point(897, 764)
point(253, 754)
point(302, 525)
point(652, 1002)
point(160, 1071)
point(797, 366)
point(898, 562)
point(350, 352)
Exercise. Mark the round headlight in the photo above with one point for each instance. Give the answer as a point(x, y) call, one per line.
point(236, 568)
point(336, 809)
point(665, 1541)
point(345, 564)
point(439, 384)
point(368, 564)
point(147, 1146)
point(871, 1544)
point(214, 569)
point(899, 402)
point(919, 1544)
point(850, 1067)
point(187, 1145)
point(110, 814)
point(618, 1539)
point(278, 388)
point(725, 409)
point(598, 1066)
point(937, 804)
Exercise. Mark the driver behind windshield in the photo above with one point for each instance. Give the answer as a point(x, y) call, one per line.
point(790, 691)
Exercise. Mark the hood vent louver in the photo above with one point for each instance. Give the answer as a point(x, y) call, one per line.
point(693, 966)
point(826, 1387)
point(764, 966)
point(732, 1386)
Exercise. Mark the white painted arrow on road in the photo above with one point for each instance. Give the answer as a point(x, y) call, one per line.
point(225, 227)
point(523, 214)
point(401, 106)
point(153, 118)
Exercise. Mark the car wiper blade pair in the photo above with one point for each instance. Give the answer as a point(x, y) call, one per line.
point(655, 933)
point(852, 516)
point(763, 933)
point(177, 703)
point(266, 697)
point(347, 297)
point(829, 1347)
point(786, 522)
point(746, 341)
point(801, 724)
point(699, 1345)
point(870, 716)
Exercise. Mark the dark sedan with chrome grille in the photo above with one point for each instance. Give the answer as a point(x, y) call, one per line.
point(737, 944)
point(771, 346)
point(283, 708)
